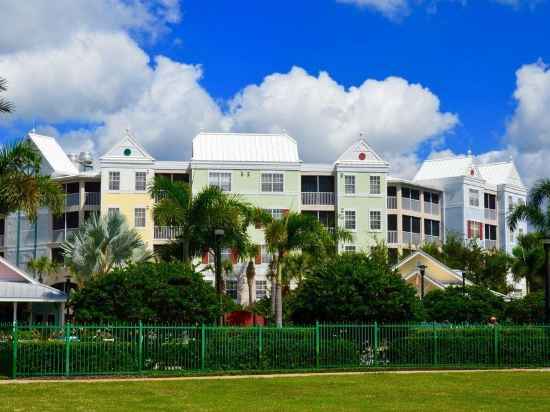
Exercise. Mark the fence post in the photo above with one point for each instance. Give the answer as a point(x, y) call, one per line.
point(317, 344)
point(496, 344)
point(376, 348)
point(140, 347)
point(203, 347)
point(260, 345)
point(67, 348)
point(436, 355)
point(14, 350)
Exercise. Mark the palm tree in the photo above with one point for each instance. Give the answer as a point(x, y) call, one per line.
point(250, 255)
point(42, 266)
point(293, 232)
point(102, 244)
point(528, 261)
point(537, 213)
point(5, 105)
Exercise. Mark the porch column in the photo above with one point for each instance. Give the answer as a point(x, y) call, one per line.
point(14, 312)
point(61, 313)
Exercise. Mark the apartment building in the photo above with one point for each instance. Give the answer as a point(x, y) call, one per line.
point(415, 216)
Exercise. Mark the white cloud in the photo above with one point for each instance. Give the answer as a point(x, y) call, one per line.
point(84, 78)
point(393, 9)
point(325, 117)
point(48, 23)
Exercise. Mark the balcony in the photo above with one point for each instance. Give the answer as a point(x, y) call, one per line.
point(392, 202)
point(489, 244)
point(432, 239)
point(72, 199)
point(392, 237)
point(431, 208)
point(92, 199)
point(167, 232)
point(61, 235)
point(318, 198)
point(412, 238)
point(490, 214)
point(411, 204)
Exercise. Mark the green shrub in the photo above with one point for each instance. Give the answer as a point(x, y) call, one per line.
point(529, 309)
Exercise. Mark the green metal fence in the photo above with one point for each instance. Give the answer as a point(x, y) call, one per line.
point(80, 350)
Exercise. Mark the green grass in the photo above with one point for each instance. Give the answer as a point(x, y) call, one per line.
point(487, 391)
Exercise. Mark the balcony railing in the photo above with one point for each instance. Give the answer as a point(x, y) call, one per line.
point(92, 198)
point(167, 232)
point(318, 198)
point(431, 208)
point(432, 239)
point(392, 237)
point(412, 238)
point(489, 244)
point(61, 235)
point(392, 202)
point(411, 204)
point(72, 199)
point(490, 214)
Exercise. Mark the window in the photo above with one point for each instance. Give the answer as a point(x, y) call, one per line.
point(221, 180)
point(490, 232)
point(474, 197)
point(266, 256)
point(113, 211)
point(141, 178)
point(430, 197)
point(375, 185)
point(227, 256)
point(349, 220)
point(272, 182)
point(139, 217)
point(350, 249)
point(349, 184)
point(489, 201)
point(114, 180)
point(231, 288)
point(474, 230)
point(276, 214)
point(431, 228)
point(261, 289)
point(411, 224)
point(375, 220)
point(510, 203)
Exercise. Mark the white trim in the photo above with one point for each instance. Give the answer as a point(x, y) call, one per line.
point(381, 220)
point(229, 172)
point(272, 172)
point(356, 220)
point(354, 175)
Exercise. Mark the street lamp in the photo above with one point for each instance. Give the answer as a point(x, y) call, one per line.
point(422, 269)
point(546, 243)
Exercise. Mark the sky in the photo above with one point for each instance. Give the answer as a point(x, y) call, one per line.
point(416, 78)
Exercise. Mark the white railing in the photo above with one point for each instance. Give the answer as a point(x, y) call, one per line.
point(92, 198)
point(392, 237)
point(410, 204)
point(432, 239)
point(490, 214)
point(61, 235)
point(72, 199)
point(411, 238)
point(318, 198)
point(392, 202)
point(167, 232)
point(431, 208)
point(489, 244)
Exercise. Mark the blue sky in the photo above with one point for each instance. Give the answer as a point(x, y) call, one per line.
point(222, 62)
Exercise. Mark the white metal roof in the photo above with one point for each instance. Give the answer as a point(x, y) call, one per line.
point(317, 167)
point(500, 173)
point(54, 155)
point(18, 286)
point(447, 167)
point(245, 147)
point(171, 165)
point(392, 179)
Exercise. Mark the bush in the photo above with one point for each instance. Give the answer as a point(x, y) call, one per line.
point(529, 309)
point(477, 305)
point(353, 288)
point(151, 292)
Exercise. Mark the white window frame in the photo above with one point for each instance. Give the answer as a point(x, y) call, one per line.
point(276, 214)
point(350, 248)
point(113, 210)
point(472, 197)
point(236, 288)
point(268, 186)
point(379, 183)
point(371, 220)
point(140, 173)
point(112, 181)
point(350, 188)
point(354, 219)
point(262, 289)
point(217, 174)
point(265, 256)
point(139, 209)
point(476, 227)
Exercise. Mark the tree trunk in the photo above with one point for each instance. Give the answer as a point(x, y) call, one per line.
point(273, 295)
point(219, 278)
point(185, 251)
point(279, 293)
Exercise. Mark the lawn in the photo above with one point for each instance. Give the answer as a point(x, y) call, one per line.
point(503, 391)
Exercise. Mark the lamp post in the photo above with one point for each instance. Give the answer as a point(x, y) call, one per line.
point(218, 235)
point(546, 243)
point(422, 269)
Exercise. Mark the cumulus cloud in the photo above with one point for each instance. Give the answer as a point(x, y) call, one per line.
point(48, 23)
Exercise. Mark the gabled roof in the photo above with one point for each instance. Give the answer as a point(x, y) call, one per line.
point(360, 153)
point(18, 286)
point(447, 167)
point(127, 149)
point(453, 276)
point(53, 155)
point(245, 147)
point(501, 173)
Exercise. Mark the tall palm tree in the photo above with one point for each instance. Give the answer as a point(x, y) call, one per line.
point(528, 261)
point(537, 213)
point(102, 244)
point(5, 105)
point(42, 266)
point(293, 232)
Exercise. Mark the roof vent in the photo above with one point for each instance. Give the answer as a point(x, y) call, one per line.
point(86, 161)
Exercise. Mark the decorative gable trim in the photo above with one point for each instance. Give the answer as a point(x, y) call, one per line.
point(360, 153)
point(128, 150)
